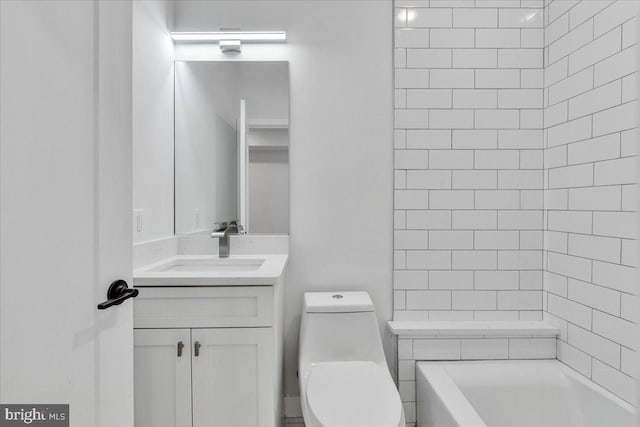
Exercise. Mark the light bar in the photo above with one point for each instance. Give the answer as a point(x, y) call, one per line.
point(242, 36)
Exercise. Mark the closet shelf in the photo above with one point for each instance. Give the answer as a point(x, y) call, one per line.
point(268, 123)
point(268, 147)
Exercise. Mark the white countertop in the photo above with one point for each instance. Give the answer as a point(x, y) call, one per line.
point(269, 273)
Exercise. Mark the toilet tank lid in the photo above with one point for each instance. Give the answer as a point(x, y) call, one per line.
point(337, 302)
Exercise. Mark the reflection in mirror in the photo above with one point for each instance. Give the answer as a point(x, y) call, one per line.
point(231, 145)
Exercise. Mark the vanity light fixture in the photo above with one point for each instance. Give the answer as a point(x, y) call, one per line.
point(231, 41)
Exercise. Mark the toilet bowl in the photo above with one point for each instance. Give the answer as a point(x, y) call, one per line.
point(343, 374)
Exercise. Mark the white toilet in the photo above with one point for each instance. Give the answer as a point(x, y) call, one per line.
point(343, 374)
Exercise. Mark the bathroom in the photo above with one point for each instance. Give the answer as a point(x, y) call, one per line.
point(469, 164)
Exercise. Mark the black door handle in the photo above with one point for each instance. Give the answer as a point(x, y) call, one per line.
point(117, 293)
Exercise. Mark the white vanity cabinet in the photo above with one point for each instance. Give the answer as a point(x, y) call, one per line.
point(232, 378)
point(162, 377)
point(208, 356)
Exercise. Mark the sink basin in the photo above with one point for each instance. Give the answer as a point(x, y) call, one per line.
point(211, 264)
point(211, 270)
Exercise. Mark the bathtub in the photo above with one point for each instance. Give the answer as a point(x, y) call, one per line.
point(514, 393)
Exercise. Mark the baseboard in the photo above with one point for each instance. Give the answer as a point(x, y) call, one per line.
point(292, 407)
point(294, 422)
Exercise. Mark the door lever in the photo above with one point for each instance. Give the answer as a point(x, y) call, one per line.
point(118, 292)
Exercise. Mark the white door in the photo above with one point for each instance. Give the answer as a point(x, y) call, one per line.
point(65, 206)
point(233, 377)
point(243, 167)
point(162, 377)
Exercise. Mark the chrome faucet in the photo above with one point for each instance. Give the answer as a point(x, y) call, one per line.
point(222, 231)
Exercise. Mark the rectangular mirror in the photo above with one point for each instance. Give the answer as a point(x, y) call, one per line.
point(231, 145)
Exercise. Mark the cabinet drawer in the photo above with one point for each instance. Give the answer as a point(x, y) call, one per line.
point(203, 307)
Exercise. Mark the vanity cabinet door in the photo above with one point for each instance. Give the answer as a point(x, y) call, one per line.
point(162, 377)
point(233, 377)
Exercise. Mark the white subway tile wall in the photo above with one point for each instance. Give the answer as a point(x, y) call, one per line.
point(469, 161)
point(590, 177)
point(468, 176)
point(516, 178)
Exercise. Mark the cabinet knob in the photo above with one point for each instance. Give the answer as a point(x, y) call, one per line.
point(180, 347)
point(196, 349)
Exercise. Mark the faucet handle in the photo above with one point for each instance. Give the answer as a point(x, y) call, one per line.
point(220, 226)
point(236, 224)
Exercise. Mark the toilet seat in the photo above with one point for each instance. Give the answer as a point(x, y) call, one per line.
point(353, 394)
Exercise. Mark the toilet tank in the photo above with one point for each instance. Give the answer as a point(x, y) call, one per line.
point(339, 326)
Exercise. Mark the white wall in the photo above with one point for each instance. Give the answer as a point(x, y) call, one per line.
point(265, 87)
point(268, 180)
point(153, 118)
point(206, 106)
point(340, 136)
point(591, 120)
point(208, 85)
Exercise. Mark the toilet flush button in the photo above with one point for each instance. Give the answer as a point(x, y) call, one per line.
point(337, 301)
